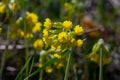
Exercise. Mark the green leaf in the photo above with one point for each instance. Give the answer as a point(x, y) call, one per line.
point(57, 25)
point(21, 71)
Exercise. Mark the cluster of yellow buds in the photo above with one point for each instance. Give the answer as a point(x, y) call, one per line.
point(58, 36)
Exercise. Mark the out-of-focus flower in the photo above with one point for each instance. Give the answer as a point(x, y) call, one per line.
point(57, 55)
point(68, 6)
point(45, 33)
point(2, 8)
point(78, 30)
point(38, 44)
point(37, 27)
point(15, 6)
point(62, 37)
point(79, 43)
point(49, 69)
point(94, 57)
point(40, 65)
point(67, 24)
point(47, 23)
point(32, 18)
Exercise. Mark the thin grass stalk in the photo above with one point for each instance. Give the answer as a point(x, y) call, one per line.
point(4, 54)
point(100, 68)
point(67, 67)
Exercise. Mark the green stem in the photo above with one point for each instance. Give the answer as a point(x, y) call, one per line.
point(100, 68)
point(75, 72)
point(67, 67)
point(41, 75)
point(4, 54)
point(26, 56)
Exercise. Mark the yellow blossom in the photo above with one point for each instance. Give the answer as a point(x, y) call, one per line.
point(62, 37)
point(45, 33)
point(31, 18)
point(28, 35)
point(48, 23)
point(15, 6)
point(68, 6)
point(67, 24)
point(40, 65)
point(37, 27)
point(38, 44)
point(73, 41)
point(106, 60)
point(22, 33)
point(55, 47)
point(49, 69)
point(94, 57)
point(79, 43)
point(2, 8)
point(78, 30)
point(57, 55)
point(59, 65)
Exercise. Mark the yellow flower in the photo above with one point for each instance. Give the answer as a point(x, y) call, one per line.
point(32, 18)
point(15, 6)
point(106, 60)
point(72, 41)
point(2, 9)
point(79, 43)
point(37, 27)
point(45, 33)
point(49, 69)
point(67, 24)
point(28, 35)
point(38, 44)
point(62, 37)
point(59, 65)
point(55, 47)
point(94, 57)
point(40, 65)
point(78, 30)
point(68, 6)
point(57, 55)
point(48, 23)
point(22, 33)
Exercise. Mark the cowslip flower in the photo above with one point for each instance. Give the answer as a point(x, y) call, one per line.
point(45, 33)
point(79, 43)
point(32, 18)
point(28, 35)
point(47, 23)
point(49, 69)
point(68, 6)
point(0, 30)
point(62, 37)
point(38, 44)
point(78, 30)
point(37, 27)
point(57, 55)
point(94, 57)
point(2, 8)
point(15, 6)
point(67, 24)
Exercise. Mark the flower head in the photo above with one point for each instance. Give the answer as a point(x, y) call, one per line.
point(31, 18)
point(38, 44)
point(49, 69)
point(15, 6)
point(2, 8)
point(62, 37)
point(48, 23)
point(78, 30)
point(45, 33)
point(37, 27)
point(79, 42)
point(67, 24)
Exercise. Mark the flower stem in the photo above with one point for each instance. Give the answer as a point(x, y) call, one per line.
point(100, 68)
point(67, 67)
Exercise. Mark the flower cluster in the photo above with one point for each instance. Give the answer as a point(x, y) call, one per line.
point(57, 37)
